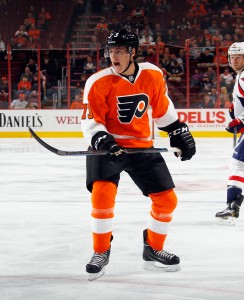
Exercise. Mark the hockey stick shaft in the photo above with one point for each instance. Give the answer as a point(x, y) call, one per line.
point(97, 152)
point(234, 137)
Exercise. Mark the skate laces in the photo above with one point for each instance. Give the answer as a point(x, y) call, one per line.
point(164, 254)
point(99, 258)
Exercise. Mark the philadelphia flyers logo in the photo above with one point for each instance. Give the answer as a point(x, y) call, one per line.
point(130, 106)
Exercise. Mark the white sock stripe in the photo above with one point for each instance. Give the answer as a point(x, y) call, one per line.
point(157, 226)
point(101, 225)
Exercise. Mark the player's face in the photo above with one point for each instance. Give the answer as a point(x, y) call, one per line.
point(237, 62)
point(120, 58)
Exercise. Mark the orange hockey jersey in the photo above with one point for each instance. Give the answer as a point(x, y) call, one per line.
point(120, 107)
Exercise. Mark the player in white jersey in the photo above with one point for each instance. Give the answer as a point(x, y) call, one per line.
point(235, 185)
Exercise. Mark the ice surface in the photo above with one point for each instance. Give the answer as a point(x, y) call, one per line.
point(45, 238)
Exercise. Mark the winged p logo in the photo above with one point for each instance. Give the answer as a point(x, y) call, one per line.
point(131, 106)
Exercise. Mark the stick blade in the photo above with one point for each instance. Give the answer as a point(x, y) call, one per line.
point(44, 144)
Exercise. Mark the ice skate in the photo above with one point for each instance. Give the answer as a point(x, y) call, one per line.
point(159, 260)
point(229, 215)
point(96, 266)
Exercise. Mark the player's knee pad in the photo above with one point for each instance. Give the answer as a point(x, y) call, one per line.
point(103, 199)
point(164, 202)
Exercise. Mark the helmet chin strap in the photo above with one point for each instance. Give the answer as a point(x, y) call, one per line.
point(130, 62)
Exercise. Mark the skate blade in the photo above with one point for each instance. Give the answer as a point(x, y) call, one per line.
point(94, 276)
point(158, 267)
point(230, 221)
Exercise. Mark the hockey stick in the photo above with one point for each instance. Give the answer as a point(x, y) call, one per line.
point(97, 152)
point(234, 137)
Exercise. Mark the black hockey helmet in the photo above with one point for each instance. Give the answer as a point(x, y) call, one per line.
point(123, 37)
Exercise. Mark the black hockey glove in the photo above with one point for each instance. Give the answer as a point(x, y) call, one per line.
point(181, 138)
point(105, 141)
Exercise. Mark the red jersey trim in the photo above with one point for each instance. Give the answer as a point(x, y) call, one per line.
point(237, 178)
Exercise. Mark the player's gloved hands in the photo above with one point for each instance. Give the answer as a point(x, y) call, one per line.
point(115, 149)
point(105, 141)
point(180, 137)
point(235, 124)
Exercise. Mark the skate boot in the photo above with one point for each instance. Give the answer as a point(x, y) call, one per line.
point(159, 260)
point(232, 211)
point(96, 266)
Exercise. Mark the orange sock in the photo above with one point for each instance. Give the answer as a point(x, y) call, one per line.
point(103, 201)
point(160, 217)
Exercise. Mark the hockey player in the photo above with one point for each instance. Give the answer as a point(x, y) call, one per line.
point(235, 185)
point(119, 97)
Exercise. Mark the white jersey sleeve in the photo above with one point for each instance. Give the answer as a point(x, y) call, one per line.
point(238, 96)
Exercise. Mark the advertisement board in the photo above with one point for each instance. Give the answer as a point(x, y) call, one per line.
point(205, 122)
point(67, 123)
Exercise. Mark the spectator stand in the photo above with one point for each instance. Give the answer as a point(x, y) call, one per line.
point(78, 45)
